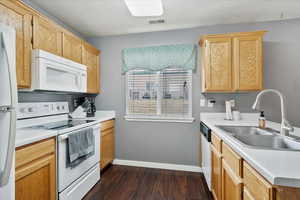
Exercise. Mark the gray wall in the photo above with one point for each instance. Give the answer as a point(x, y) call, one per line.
point(179, 142)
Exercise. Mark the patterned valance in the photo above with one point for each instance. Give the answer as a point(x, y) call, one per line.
point(156, 58)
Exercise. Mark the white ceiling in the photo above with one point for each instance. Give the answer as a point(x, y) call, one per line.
point(111, 17)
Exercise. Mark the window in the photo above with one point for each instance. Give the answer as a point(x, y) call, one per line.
point(163, 95)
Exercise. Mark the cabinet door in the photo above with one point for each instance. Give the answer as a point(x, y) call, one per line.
point(231, 184)
point(72, 47)
point(46, 36)
point(217, 67)
point(216, 178)
point(247, 195)
point(20, 20)
point(248, 63)
point(90, 58)
point(37, 180)
point(107, 147)
point(256, 185)
point(36, 171)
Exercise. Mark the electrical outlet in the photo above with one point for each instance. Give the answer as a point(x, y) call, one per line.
point(211, 103)
point(202, 102)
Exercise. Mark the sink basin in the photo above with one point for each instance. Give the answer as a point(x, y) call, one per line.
point(262, 138)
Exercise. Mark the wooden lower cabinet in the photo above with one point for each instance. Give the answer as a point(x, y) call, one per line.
point(231, 183)
point(232, 178)
point(36, 171)
point(247, 195)
point(107, 143)
point(257, 186)
point(216, 171)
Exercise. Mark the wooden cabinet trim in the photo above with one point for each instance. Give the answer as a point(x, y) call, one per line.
point(235, 34)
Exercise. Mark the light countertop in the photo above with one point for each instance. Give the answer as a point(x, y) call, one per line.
point(28, 135)
point(278, 167)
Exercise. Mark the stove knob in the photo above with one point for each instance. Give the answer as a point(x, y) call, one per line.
point(22, 110)
point(30, 109)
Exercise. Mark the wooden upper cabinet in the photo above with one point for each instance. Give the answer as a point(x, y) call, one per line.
point(248, 62)
point(72, 47)
point(46, 36)
point(90, 58)
point(20, 20)
point(232, 62)
point(217, 69)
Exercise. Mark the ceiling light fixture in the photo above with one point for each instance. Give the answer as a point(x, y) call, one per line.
point(145, 8)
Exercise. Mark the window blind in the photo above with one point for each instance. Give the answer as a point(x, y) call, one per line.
point(164, 94)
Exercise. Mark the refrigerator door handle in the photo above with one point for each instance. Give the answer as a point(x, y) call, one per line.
point(5, 174)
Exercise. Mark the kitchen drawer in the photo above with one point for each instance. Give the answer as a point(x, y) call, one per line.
point(29, 153)
point(232, 159)
point(216, 142)
point(257, 186)
point(107, 125)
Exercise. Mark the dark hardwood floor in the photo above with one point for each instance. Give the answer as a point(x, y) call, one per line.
point(136, 183)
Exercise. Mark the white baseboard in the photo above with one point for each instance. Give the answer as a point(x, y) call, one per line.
point(189, 168)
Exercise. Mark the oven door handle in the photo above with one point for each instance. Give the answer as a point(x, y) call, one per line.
point(65, 136)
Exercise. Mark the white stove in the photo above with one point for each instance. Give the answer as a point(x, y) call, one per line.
point(37, 121)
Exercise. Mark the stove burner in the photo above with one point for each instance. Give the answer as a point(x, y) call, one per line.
point(64, 124)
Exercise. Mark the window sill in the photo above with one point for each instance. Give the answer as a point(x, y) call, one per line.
point(157, 119)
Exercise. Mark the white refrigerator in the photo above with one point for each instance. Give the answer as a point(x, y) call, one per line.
point(8, 103)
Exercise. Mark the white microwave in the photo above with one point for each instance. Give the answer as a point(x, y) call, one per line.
point(54, 73)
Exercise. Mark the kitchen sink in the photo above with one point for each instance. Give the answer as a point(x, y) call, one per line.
point(262, 138)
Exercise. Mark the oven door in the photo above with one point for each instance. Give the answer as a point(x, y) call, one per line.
point(67, 175)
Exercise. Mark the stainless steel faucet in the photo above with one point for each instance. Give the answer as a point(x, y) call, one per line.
point(286, 127)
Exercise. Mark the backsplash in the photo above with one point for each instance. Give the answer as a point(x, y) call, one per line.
point(49, 97)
